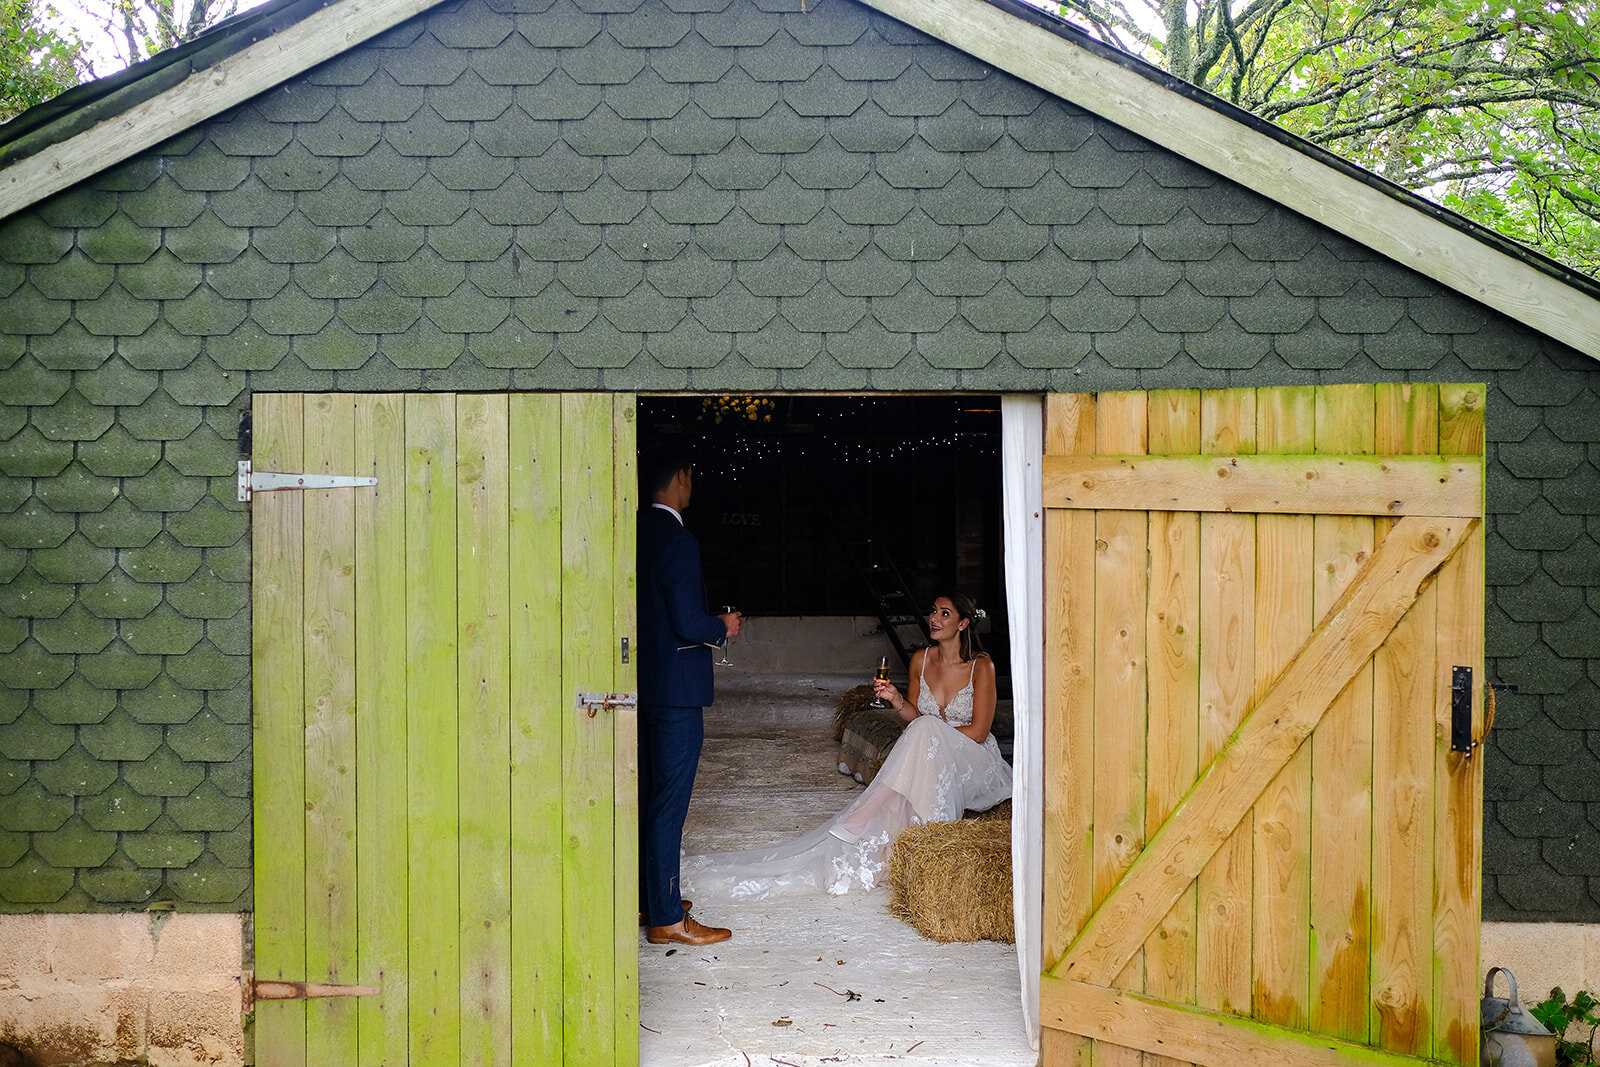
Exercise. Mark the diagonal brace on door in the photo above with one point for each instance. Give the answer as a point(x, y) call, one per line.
point(1354, 628)
point(1182, 1033)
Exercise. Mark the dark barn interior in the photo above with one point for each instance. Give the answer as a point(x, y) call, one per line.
point(810, 505)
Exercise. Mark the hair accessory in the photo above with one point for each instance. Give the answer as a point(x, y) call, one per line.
point(979, 613)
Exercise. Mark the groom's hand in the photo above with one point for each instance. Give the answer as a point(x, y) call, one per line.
point(734, 621)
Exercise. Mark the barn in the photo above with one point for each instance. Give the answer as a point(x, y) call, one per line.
point(1254, 399)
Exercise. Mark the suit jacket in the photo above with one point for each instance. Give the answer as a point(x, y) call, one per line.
point(673, 613)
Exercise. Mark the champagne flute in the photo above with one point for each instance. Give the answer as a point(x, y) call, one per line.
point(722, 650)
point(880, 675)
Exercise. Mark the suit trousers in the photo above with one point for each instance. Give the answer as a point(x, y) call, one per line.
point(669, 754)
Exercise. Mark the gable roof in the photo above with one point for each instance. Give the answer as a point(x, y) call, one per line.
point(86, 130)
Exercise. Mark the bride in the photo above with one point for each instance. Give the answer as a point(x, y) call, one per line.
point(945, 762)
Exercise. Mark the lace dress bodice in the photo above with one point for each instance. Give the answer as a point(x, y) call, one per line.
point(959, 711)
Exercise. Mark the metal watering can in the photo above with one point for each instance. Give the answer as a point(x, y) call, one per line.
point(1509, 1035)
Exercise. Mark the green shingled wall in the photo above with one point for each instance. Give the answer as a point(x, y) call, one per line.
point(659, 195)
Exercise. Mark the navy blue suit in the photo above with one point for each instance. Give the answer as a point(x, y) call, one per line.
point(675, 684)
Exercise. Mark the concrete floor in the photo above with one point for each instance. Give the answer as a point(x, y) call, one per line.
point(810, 980)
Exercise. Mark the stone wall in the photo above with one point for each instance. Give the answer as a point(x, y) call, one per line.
point(159, 988)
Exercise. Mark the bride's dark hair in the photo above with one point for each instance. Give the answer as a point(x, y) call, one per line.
point(966, 608)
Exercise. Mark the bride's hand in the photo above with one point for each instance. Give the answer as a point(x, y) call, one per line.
point(886, 692)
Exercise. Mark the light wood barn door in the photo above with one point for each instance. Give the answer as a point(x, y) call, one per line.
point(436, 817)
point(1260, 847)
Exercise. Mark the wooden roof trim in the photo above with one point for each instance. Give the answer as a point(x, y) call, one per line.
point(1279, 171)
point(320, 36)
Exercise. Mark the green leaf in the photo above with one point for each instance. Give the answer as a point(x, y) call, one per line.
point(37, 61)
point(1550, 1013)
point(1491, 109)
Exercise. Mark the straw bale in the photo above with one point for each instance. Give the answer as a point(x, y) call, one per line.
point(865, 740)
point(852, 701)
point(952, 880)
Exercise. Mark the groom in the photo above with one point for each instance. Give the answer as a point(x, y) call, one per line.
point(676, 630)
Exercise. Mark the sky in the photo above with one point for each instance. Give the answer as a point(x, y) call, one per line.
point(102, 52)
point(88, 18)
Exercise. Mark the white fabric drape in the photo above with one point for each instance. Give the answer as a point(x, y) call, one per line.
point(1021, 451)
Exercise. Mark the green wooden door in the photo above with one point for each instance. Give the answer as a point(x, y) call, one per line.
point(436, 816)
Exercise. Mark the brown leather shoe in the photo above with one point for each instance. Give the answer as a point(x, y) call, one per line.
point(687, 904)
point(686, 932)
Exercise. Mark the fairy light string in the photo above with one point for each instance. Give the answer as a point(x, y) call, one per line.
point(742, 435)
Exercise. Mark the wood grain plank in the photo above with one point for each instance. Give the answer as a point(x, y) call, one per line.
point(380, 687)
point(534, 536)
point(1121, 696)
point(1227, 655)
point(431, 768)
point(483, 700)
point(1341, 758)
point(1211, 1038)
point(587, 613)
point(625, 756)
point(1284, 618)
point(1274, 730)
point(1390, 485)
point(1173, 743)
point(330, 739)
point(1068, 859)
point(1400, 1011)
point(1458, 825)
point(1461, 419)
point(278, 739)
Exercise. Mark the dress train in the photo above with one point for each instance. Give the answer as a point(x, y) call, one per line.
point(933, 773)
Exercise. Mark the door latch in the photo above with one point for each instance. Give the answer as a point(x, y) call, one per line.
point(1461, 710)
point(593, 702)
point(264, 989)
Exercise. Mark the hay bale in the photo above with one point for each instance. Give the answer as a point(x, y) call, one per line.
point(952, 880)
point(865, 739)
point(852, 701)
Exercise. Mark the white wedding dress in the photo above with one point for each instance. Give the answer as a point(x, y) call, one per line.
point(933, 773)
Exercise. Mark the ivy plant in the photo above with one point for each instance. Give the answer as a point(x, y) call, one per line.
point(1558, 1014)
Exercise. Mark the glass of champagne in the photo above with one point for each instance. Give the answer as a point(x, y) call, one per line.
point(722, 650)
point(880, 675)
